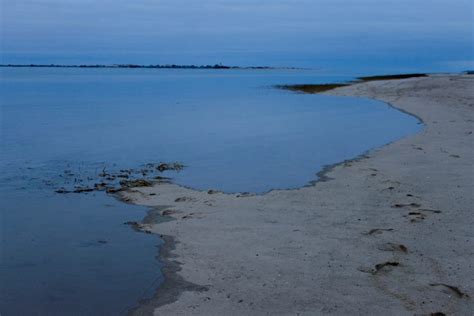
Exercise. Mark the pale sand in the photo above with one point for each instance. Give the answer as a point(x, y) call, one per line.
point(314, 250)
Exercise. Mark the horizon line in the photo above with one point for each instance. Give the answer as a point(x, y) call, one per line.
point(151, 66)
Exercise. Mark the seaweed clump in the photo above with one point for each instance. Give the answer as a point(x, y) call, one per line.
point(175, 166)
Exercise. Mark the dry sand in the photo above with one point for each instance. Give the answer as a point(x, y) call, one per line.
point(391, 232)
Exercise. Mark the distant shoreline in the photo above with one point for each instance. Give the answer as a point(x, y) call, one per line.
point(318, 88)
point(134, 66)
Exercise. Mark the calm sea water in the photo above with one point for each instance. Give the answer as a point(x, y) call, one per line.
point(72, 254)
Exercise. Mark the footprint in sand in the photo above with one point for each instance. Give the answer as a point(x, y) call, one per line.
point(377, 231)
point(384, 266)
point(451, 288)
point(420, 214)
point(393, 247)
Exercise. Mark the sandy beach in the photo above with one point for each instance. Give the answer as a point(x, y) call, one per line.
point(390, 232)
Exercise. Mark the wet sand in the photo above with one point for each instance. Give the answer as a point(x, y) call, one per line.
point(390, 232)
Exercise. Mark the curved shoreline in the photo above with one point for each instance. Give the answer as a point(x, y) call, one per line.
point(173, 284)
point(321, 174)
point(275, 202)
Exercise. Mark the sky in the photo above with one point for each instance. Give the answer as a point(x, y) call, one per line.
point(330, 35)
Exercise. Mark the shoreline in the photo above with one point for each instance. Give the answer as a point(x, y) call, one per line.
point(180, 200)
point(173, 284)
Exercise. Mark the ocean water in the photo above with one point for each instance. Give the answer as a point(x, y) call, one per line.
point(71, 253)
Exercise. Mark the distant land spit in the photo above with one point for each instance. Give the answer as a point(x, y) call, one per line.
point(172, 66)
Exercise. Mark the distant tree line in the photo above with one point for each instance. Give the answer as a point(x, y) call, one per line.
point(172, 66)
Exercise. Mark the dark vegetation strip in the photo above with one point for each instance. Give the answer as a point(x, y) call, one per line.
point(317, 88)
point(391, 77)
point(170, 66)
point(312, 88)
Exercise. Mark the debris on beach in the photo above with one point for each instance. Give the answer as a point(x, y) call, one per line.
point(112, 190)
point(175, 166)
point(135, 225)
point(100, 186)
point(135, 183)
point(83, 189)
point(139, 227)
point(103, 173)
point(112, 181)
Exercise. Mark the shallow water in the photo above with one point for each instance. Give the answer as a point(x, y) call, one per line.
point(71, 253)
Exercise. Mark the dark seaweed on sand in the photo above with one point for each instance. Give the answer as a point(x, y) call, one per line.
point(312, 88)
point(392, 77)
point(317, 88)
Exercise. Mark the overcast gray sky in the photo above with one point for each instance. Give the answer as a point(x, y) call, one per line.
point(406, 33)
